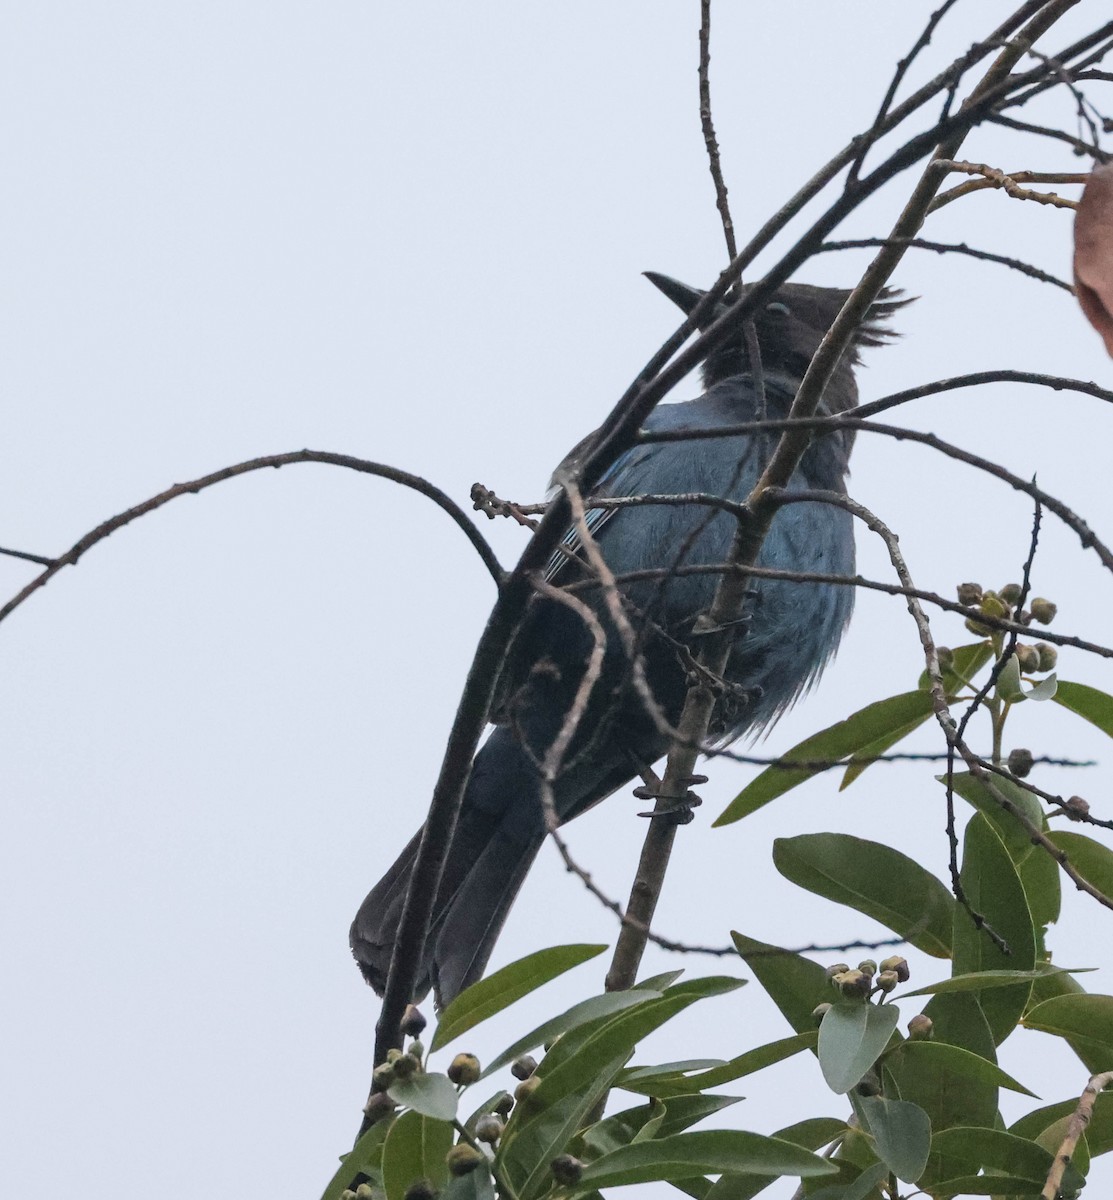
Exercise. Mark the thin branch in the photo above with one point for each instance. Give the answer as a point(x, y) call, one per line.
point(415, 482)
point(993, 177)
point(1076, 1127)
point(1004, 260)
point(41, 559)
point(707, 124)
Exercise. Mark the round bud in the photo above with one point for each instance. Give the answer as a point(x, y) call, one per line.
point(899, 965)
point(413, 1021)
point(1010, 593)
point(1043, 610)
point(420, 1189)
point(364, 1192)
point(869, 1084)
point(347, 1194)
point(463, 1069)
point(993, 606)
point(1020, 762)
point(867, 966)
point(820, 1011)
point(1049, 656)
point(406, 1066)
point(393, 1055)
point(378, 1105)
point(945, 657)
point(1028, 657)
point(969, 593)
point(489, 1128)
point(463, 1159)
point(566, 1169)
point(1077, 808)
point(524, 1092)
point(920, 1028)
point(502, 1104)
point(837, 969)
point(523, 1067)
point(886, 981)
point(383, 1076)
point(855, 985)
point(416, 1050)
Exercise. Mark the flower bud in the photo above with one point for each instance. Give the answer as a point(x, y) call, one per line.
point(489, 1128)
point(502, 1104)
point(413, 1021)
point(1010, 593)
point(969, 593)
point(406, 1066)
point(945, 656)
point(1049, 656)
point(420, 1189)
point(820, 1011)
point(393, 1055)
point(347, 1194)
point(1028, 657)
point(462, 1159)
point(363, 1192)
point(993, 606)
point(920, 1028)
point(899, 965)
point(524, 1092)
point(523, 1067)
point(869, 1084)
point(1076, 808)
point(867, 966)
point(837, 969)
point(378, 1105)
point(886, 981)
point(1020, 762)
point(1043, 610)
point(383, 1076)
point(855, 985)
point(416, 1050)
point(566, 1169)
point(463, 1069)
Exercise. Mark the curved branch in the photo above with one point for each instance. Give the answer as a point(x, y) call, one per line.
point(441, 499)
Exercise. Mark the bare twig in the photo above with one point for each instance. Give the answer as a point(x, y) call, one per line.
point(709, 140)
point(41, 559)
point(993, 177)
point(1076, 1127)
point(443, 501)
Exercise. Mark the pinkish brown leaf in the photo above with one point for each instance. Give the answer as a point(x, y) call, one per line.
point(1093, 252)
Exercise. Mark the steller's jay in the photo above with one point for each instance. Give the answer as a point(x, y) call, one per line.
point(791, 630)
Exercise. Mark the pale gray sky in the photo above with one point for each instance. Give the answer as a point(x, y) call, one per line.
point(414, 233)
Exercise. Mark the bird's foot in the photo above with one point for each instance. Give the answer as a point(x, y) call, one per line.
point(678, 809)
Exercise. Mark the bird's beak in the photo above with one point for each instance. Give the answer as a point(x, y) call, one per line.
point(683, 296)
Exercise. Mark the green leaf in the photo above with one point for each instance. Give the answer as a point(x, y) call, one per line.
point(954, 1061)
point(500, 990)
point(1084, 1021)
point(901, 1131)
point(704, 1152)
point(1017, 839)
point(605, 1005)
point(415, 1148)
point(683, 1083)
point(994, 890)
point(832, 744)
point(572, 1079)
point(1092, 860)
point(968, 661)
point(475, 1185)
point(868, 755)
point(670, 1070)
point(794, 983)
point(1039, 875)
point(430, 1094)
point(875, 880)
point(986, 1185)
point(365, 1158)
point(851, 1037)
point(1089, 703)
point(1005, 1153)
point(978, 981)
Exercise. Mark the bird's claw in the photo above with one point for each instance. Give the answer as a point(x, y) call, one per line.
point(678, 809)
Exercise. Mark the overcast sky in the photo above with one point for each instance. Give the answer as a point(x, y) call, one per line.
point(414, 233)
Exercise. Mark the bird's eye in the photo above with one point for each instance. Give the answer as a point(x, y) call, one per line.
point(778, 307)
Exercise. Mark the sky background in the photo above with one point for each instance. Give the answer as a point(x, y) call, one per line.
point(415, 234)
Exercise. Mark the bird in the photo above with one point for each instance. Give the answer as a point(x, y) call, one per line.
point(789, 633)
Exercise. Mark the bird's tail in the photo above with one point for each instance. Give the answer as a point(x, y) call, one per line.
point(498, 834)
